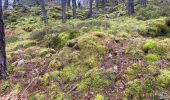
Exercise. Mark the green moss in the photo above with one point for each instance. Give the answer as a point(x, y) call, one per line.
point(22, 44)
point(94, 80)
point(55, 64)
point(99, 97)
point(17, 89)
point(168, 57)
point(10, 39)
point(150, 44)
point(61, 39)
point(37, 34)
point(36, 96)
point(155, 28)
point(94, 43)
point(35, 11)
point(167, 21)
point(137, 88)
point(149, 84)
point(11, 67)
point(4, 86)
point(164, 78)
point(152, 57)
point(44, 79)
point(134, 70)
point(68, 73)
point(84, 29)
point(134, 88)
point(45, 52)
point(60, 96)
point(55, 75)
point(64, 37)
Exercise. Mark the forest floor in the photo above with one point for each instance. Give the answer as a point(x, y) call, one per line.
point(99, 58)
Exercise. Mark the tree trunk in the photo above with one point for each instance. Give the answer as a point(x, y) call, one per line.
point(74, 8)
point(6, 4)
point(143, 3)
point(18, 4)
point(68, 3)
point(14, 4)
point(103, 4)
point(113, 2)
point(90, 9)
point(97, 4)
point(130, 7)
point(43, 10)
point(3, 67)
point(63, 11)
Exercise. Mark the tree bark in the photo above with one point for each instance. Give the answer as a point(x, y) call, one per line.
point(113, 2)
point(74, 8)
point(143, 3)
point(18, 4)
point(3, 67)
point(43, 10)
point(130, 7)
point(68, 3)
point(90, 9)
point(14, 4)
point(97, 4)
point(6, 4)
point(103, 4)
point(63, 4)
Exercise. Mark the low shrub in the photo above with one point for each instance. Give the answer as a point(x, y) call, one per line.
point(38, 34)
point(168, 21)
point(152, 12)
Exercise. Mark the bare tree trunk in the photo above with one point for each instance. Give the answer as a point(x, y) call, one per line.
point(97, 4)
point(14, 4)
point(113, 2)
point(68, 3)
point(6, 4)
point(3, 67)
point(18, 4)
point(130, 7)
point(43, 10)
point(74, 8)
point(90, 9)
point(143, 3)
point(103, 4)
point(63, 11)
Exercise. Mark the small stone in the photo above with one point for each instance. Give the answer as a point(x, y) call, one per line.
point(20, 62)
point(110, 55)
point(115, 68)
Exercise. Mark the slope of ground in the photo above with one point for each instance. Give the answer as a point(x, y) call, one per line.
point(120, 58)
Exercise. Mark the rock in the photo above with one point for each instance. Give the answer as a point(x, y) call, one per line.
point(115, 68)
point(135, 27)
point(20, 62)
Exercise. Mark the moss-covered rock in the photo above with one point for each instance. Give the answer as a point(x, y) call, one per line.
point(94, 43)
point(155, 28)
